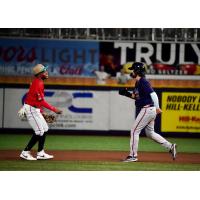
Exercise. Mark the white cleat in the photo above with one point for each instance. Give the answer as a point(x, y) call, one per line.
point(43, 156)
point(27, 155)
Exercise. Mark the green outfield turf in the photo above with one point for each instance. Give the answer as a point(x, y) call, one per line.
point(93, 166)
point(113, 143)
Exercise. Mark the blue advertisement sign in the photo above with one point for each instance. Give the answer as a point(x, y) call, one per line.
point(63, 57)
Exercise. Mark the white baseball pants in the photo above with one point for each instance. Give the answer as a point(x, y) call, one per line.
point(36, 119)
point(145, 119)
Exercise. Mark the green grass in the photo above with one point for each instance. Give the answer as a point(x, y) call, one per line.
point(60, 142)
point(93, 166)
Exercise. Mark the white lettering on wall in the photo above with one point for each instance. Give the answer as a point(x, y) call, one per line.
point(145, 52)
point(145, 55)
point(123, 46)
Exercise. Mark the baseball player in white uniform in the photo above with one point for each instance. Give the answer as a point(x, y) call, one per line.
point(146, 101)
point(33, 110)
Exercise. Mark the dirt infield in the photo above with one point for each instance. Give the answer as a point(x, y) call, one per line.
point(112, 156)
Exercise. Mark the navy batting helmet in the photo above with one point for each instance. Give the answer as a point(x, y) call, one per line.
point(139, 68)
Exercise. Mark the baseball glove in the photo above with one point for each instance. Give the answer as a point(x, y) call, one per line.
point(125, 92)
point(50, 118)
point(21, 114)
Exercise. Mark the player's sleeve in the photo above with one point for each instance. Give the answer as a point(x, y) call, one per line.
point(45, 104)
point(154, 98)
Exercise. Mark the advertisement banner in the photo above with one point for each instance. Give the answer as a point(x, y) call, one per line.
point(1, 107)
point(64, 58)
point(181, 112)
point(82, 109)
point(161, 58)
point(122, 112)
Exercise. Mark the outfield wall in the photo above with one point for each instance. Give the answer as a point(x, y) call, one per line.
point(102, 109)
point(173, 69)
point(82, 110)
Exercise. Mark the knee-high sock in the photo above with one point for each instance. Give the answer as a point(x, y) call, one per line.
point(32, 142)
point(41, 142)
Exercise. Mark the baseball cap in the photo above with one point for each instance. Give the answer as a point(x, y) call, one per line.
point(39, 68)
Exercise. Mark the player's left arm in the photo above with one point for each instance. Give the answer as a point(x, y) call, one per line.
point(50, 107)
point(154, 98)
point(43, 103)
point(153, 95)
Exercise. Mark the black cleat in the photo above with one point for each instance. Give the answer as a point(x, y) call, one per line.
point(173, 151)
point(130, 159)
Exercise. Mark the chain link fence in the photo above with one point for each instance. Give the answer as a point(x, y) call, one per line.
point(126, 34)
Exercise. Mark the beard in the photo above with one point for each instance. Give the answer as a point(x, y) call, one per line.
point(43, 77)
point(133, 75)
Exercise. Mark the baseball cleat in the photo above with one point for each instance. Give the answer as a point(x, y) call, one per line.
point(173, 151)
point(130, 159)
point(27, 155)
point(43, 156)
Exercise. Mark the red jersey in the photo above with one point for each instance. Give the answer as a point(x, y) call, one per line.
point(35, 96)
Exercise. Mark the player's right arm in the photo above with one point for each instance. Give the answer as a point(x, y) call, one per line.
point(125, 92)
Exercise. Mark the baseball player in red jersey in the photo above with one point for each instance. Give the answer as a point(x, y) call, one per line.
point(146, 101)
point(33, 109)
